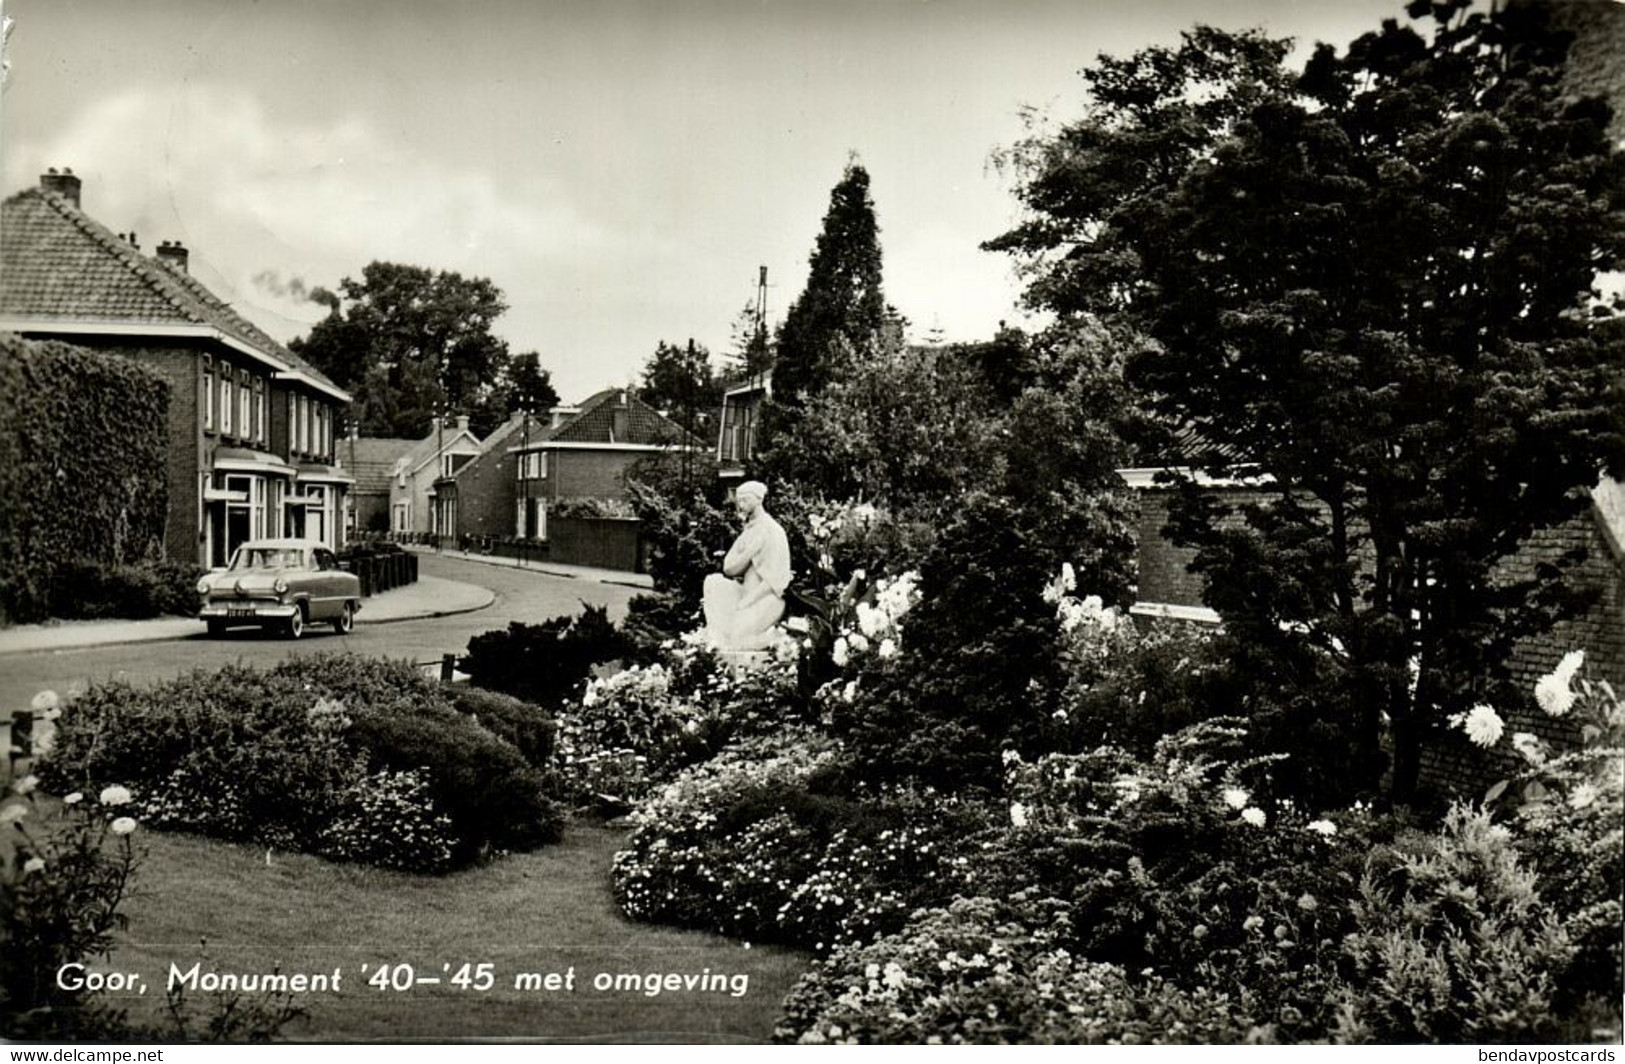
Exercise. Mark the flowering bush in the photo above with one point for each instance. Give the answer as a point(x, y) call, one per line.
point(986, 971)
point(389, 819)
point(639, 726)
point(753, 844)
point(1570, 816)
point(63, 886)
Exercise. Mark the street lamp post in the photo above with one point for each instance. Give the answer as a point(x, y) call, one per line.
point(524, 485)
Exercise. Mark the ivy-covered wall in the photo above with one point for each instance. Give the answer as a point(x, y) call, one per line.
point(82, 447)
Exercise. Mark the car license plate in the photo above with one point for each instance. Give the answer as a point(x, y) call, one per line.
point(239, 611)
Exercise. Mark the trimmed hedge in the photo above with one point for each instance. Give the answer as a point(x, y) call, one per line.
point(548, 663)
point(88, 590)
point(82, 458)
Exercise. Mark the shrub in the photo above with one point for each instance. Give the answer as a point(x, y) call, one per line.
point(546, 664)
point(986, 971)
point(283, 755)
point(92, 590)
point(1452, 943)
point(527, 727)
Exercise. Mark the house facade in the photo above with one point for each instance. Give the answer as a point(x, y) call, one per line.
point(586, 455)
point(251, 431)
point(415, 502)
point(371, 460)
point(487, 488)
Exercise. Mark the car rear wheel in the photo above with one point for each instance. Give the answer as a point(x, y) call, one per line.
point(344, 623)
point(294, 626)
point(216, 629)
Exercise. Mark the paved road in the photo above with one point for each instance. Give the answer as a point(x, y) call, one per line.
point(521, 596)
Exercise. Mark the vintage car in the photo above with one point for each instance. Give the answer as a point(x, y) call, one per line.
point(283, 584)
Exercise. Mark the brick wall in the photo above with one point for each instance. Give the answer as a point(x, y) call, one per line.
point(594, 474)
point(1454, 765)
point(1164, 569)
point(486, 490)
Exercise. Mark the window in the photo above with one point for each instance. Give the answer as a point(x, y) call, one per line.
point(208, 394)
point(225, 400)
point(245, 406)
point(298, 424)
point(533, 466)
point(259, 409)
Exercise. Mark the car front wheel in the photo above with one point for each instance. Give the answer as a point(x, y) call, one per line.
point(344, 623)
point(294, 626)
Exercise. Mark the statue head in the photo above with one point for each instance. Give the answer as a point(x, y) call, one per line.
point(748, 498)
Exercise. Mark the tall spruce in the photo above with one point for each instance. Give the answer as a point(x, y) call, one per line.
point(841, 313)
point(1374, 282)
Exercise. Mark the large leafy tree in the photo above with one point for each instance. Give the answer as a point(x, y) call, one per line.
point(1373, 281)
point(678, 380)
point(409, 342)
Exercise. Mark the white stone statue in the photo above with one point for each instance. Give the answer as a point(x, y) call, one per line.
point(746, 599)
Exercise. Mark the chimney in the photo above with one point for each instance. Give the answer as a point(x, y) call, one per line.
point(618, 421)
point(462, 422)
point(64, 184)
point(173, 253)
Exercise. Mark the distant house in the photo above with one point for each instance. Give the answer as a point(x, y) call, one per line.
point(486, 489)
point(371, 460)
point(586, 455)
point(251, 425)
point(738, 426)
point(415, 505)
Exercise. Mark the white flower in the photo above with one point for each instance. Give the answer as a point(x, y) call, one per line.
point(1018, 814)
point(1483, 726)
point(1235, 797)
point(73, 799)
point(1069, 579)
point(859, 642)
point(45, 701)
point(26, 785)
point(1553, 690)
point(887, 648)
point(839, 651)
point(33, 864)
point(850, 691)
point(691, 727)
point(1253, 815)
point(115, 795)
point(122, 825)
point(859, 574)
point(1583, 795)
point(1530, 746)
point(1322, 827)
point(870, 619)
point(895, 976)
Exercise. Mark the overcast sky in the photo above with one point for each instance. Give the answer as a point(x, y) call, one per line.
point(619, 169)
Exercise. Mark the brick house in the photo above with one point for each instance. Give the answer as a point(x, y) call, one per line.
point(251, 425)
point(586, 456)
point(487, 487)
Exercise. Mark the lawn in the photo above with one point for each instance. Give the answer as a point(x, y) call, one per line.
point(532, 914)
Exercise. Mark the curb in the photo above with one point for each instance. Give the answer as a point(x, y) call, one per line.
point(540, 570)
point(491, 598)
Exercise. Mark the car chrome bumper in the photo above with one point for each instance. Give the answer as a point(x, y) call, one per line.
point(247, 612)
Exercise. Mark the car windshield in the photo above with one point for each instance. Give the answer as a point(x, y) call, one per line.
point(265, 558)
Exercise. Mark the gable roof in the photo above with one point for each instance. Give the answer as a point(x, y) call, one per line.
point(374, 460)
point(644, 426)
point(446, 441)
point(62, 267)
